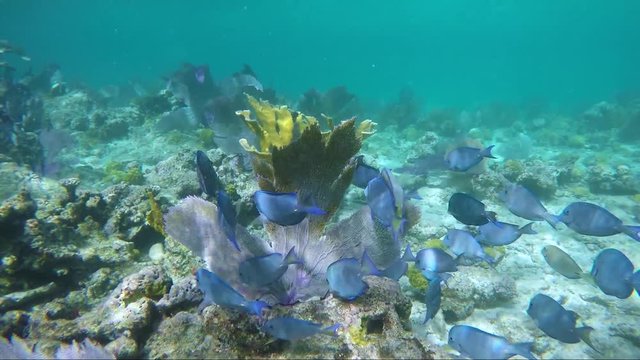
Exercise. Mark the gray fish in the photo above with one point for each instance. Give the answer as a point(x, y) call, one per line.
point(462, 243)
point(263, 270)
point(523, 203)
point(502, 233)
point(292, 329)
point(555, 321)
point(613, 273)
point(469, 210)
point(433, 298)
point(561, 262)
point(464, 158)
point(363, 173)
point(179, 119)
point(345, 279)
point(590, 219)
point(217, 291)
point(477, 344)
point(433, 262)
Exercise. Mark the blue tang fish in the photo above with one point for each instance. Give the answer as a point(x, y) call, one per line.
point(263, 270)
point(469, 210)
point(613, 273)
point(227, 217)
point(363, 173)
point(464, 158)
point(207, 176)
point(462, 243)
point(477, 344)
point(283, 208)
point(525, 204)
point(590, 219)
point(345, 279)
point(554, 320)
point(394, 271)
point(381, 201)
point(292, 329)
point(433, 262)
point(217, 291)
point(502, 233)
point(433, 298)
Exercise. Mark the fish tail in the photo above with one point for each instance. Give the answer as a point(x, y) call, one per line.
point(368, 266)
point(585, 335)
point(523, 349)
point(291, 258)
point(234, 241)
point(332, 330)
point(397, 228)
point(486, 152)
point(528, 229)
point(490, 260)
point(635, 280)
point(552, 220)
point(633, 231)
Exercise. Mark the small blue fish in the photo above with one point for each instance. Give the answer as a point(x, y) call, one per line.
point(382, 203)
point(433, 298)
point(462, 243)
point(555, 321)
point(227, 217)
point(200, 74)
point(502, 234)
point(590, 219)
point(525, 204)
point(613, 273)
point(345, 279)
point(363, 173)
point(464, 158)
point(261, 271)
point(217, 291)
point(395, 271)
point(433, 262)
point(292, 329)
point(209, 181)
point(469, 210)
point(477, 344)
point(283, 208)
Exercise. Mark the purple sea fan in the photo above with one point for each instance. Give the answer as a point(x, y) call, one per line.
point(85, 350)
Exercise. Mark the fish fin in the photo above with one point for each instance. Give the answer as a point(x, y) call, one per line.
point(332, 330)
point(528, 229)
point(552, 220)
point(491, 216)
point(586, 276)
point(313, 210)
point(256, 307)
point(632, 231)
point(486, 152)
point(397, 228)
point(204, 304)
point(291, 258)
point(523, 349)
point(368, 266)
point(635, 281)
point(408, 255)
point(585, 335)
point(413, 194)
point(490, 260)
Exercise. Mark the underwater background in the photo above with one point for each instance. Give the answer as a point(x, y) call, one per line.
point(151, 150)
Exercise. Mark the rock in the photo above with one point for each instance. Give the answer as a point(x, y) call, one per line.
point(473, 286)
point(184, 294)
point(123, 348)
point(22, 299)
point(604, 179)
point(150, 282)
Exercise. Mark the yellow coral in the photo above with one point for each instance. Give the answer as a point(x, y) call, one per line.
point(416, 279)
point(274, 125)
point(154, 216)
point(365, 129)
point(358, 336)
point(495, 252)
point(636, 198)
point(435, 243)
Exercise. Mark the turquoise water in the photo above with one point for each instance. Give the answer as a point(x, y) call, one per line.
point(450, 52)
point(107, 210)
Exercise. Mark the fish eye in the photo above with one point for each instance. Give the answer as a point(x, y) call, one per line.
point(566, 212)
